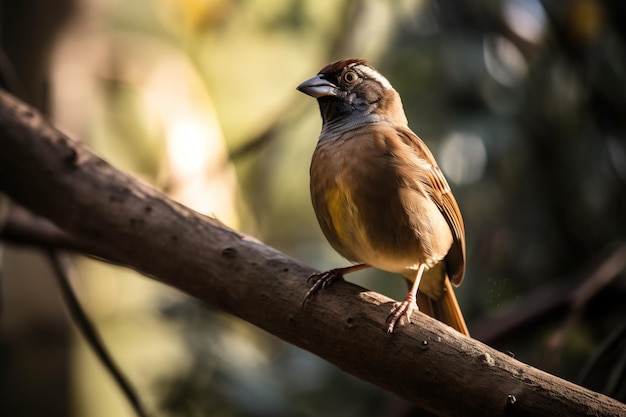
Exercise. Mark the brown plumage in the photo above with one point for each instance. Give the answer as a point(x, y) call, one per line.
point(379, 196)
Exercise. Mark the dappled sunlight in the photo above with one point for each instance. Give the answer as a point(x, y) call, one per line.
point(159, 115)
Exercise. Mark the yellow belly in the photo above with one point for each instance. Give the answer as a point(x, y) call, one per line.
point(346, 230)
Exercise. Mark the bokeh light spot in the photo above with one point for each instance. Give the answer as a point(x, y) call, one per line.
point(526, 18)
point(463, 157)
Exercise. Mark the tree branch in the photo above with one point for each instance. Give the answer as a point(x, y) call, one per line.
point(127, 222)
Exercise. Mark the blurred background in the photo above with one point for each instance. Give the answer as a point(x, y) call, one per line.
point(523, 103)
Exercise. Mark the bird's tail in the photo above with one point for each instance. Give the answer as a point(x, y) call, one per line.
point(445, 309)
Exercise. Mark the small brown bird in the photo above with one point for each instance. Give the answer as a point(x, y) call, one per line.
point(379, 196)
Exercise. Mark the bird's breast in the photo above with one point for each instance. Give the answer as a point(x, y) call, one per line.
point(334, 205)
point(365, 211)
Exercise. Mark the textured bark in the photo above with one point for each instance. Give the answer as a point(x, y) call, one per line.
point(114, 216)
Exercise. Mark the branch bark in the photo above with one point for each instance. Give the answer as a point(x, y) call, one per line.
point(118, 218)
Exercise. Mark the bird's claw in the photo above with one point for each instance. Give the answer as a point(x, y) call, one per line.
point(405, 308)
point(321, 280)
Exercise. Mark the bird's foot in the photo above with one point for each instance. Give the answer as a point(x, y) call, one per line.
point(321, 280)
point(405, 308)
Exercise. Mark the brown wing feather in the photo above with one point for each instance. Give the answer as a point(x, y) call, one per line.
point(439, 190)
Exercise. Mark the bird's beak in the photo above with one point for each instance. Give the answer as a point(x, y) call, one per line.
point(317, 87)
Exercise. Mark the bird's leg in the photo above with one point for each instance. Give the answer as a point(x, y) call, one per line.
point(322, 279)
point(408, 305)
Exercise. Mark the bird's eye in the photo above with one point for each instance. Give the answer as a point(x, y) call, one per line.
point(350, 77)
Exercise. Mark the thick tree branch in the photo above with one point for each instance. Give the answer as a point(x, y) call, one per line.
point(125, 221)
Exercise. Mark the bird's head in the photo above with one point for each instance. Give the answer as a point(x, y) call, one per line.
point(350, 89)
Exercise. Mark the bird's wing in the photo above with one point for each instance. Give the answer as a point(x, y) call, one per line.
point(438, 189)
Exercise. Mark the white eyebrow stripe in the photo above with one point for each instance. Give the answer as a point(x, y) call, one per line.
point(375, 76)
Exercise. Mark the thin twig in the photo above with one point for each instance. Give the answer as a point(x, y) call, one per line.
point(610, 268)
point(86, 327)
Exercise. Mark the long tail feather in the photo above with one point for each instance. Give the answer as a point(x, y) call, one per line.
point(446, 309)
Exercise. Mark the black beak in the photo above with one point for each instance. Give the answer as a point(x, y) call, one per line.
point(317, 87)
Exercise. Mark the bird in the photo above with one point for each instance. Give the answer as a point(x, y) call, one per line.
point(379, 196)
